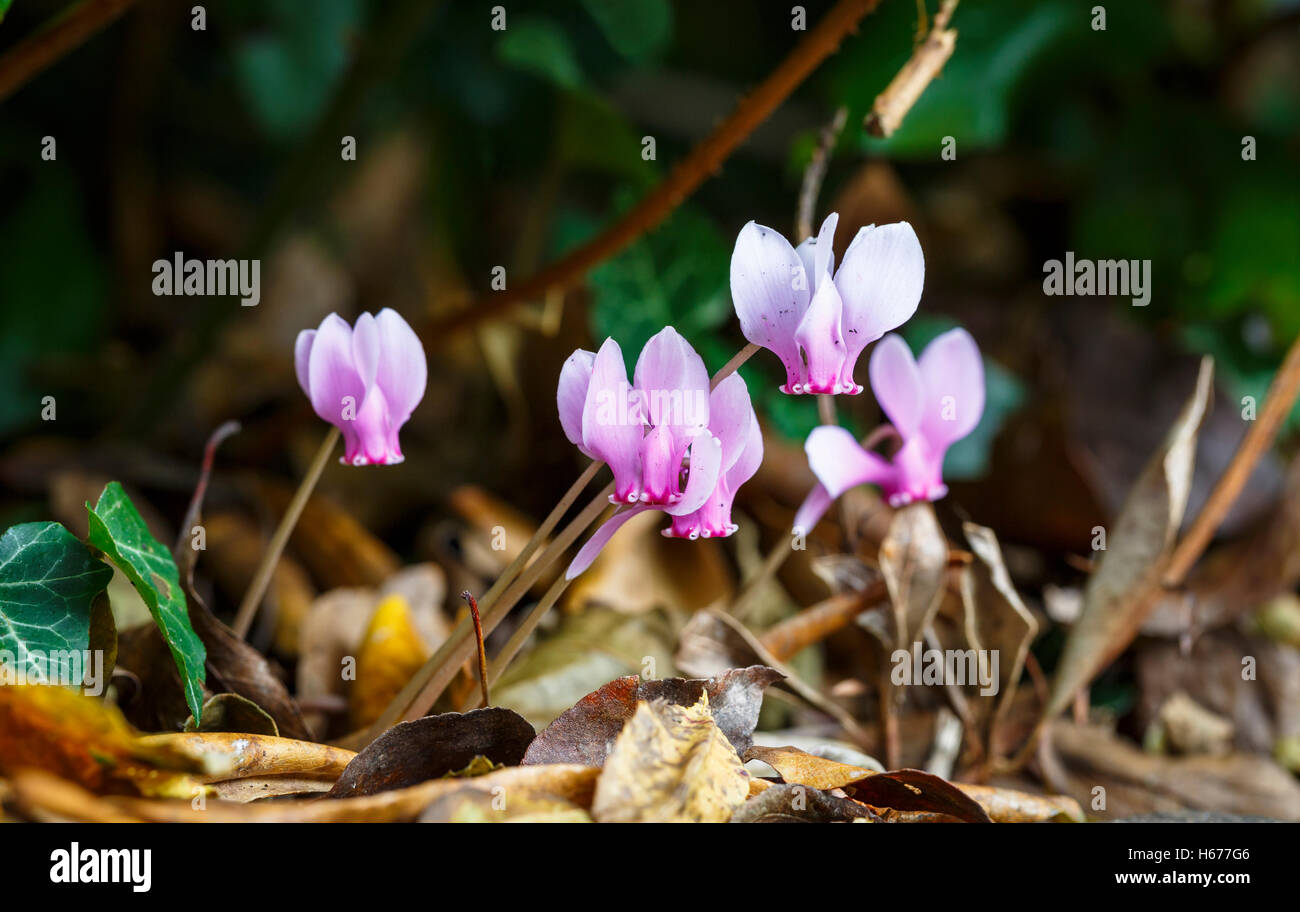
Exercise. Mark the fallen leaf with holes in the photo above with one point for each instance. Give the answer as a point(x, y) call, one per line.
point(902, 790)
point(586, 732)
point(670, 764)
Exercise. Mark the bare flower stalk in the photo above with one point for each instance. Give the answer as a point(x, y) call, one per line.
point(482, 650)
point(271, 557)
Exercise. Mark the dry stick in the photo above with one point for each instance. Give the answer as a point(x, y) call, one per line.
point(1282, 393)
point(813, 624)
point(427, 684)
point(262, 579)
point(703, 161)
point(892, 105)
point(66, 31)
point(521, 634)
point(815, 173)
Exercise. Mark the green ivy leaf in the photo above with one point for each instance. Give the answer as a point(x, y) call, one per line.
point(48, 580)
point(539, 46)
point(117, 529)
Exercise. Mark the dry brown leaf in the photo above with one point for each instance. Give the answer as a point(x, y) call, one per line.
point(519, 806)
point(235, 756)
point(1123, 588)
point(670, 764)
point(903, 790)
point(567, 781)
point(996, 618)
point(585, 733)
point(913, 558)
point(432, 747)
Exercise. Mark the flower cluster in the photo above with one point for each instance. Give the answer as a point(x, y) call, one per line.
point(672, 444)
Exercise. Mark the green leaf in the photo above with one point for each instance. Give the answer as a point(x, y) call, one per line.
point(4, 8)
point(637, 29)
point(539, 46)
point(48, 580)
point(117, 529)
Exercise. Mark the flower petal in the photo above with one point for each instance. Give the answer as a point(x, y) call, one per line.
point(571, 394)
point(611, 426)
point(840, 462)
point(599, 539)
point(706, 463)
point(365, 348)
point(820, 336)
point(952, 373)
point(813, 508)
point(403, 370)
point(673, 384)
point(818, 253)
point(770, 290)
point(301, 356)
point(896, 381)
point(332, 375)
point(730, 414)
point(751, 455)
point(880, 282)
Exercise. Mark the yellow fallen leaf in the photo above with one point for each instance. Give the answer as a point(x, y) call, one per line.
point(89, 742)
point(671, 764)
point(391, 651)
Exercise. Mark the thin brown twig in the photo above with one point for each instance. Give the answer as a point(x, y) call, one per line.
point(892, 105)
point(815, 173)
point(703, 161)
point(1281, 398)
point(64, 32)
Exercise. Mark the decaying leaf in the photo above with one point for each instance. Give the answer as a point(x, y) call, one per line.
point(431, 747)
point(585, 733)
point(902, 790)
point(391, 651)
point(1006, 805)
point(337, 622)
point(1123, 588)
point(670, 764)
point(913, 558)
point(234, 755)
point(584, 652)
point(35, 789)
point(996, 618)
point(89, 742)
point(785, 803)
point(473, 805)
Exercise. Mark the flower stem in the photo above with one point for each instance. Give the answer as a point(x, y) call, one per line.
point(521, 634)
point(262, 579)
point(482, 650)
point(427, 684)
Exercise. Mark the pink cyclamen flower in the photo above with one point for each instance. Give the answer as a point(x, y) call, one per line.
point(365, 380)
point(932, 404)
point(672, 445)
point(642, 429)
point(818, 320)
